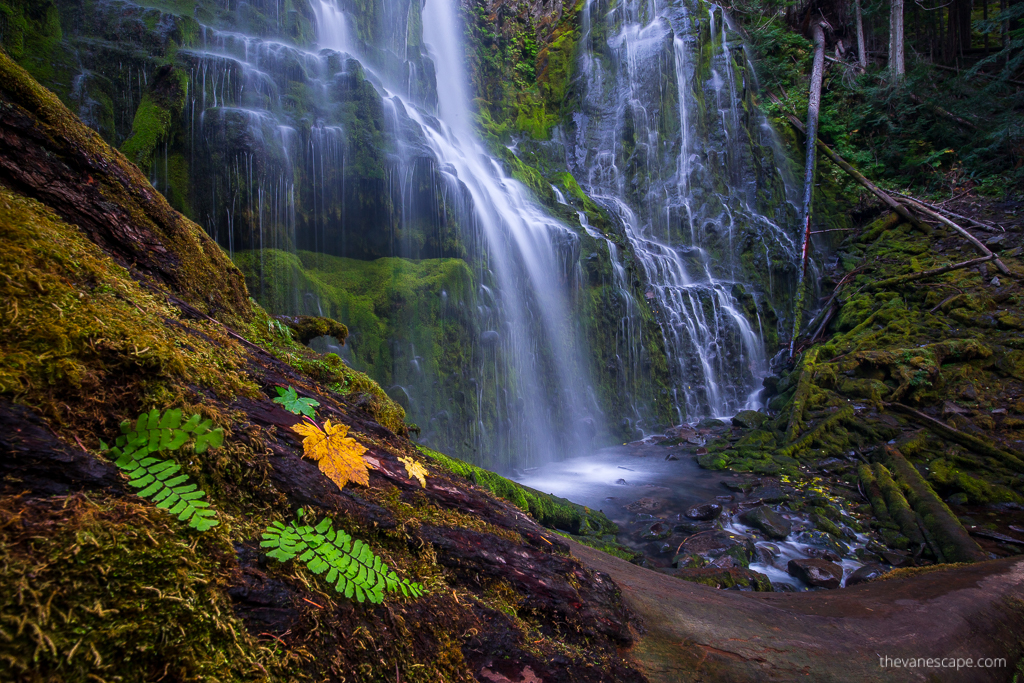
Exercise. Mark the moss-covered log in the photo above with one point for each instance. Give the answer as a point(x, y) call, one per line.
point(871, 489)
point(953, 540)
point(897, 505)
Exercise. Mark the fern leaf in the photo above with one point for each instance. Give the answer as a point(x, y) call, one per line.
point(352, 567)
point(160, 480)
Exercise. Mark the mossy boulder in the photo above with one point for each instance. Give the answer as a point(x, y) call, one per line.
point(767, 521)
point(749, 419)
point(306, 328)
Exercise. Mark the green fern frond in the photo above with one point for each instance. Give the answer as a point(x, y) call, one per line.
point(351, 566)
point(158, 479)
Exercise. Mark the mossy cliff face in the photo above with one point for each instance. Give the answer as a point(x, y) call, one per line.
point(98, 583)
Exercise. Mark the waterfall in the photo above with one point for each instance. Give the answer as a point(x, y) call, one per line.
point(665, 143)
point(538, 384)
point(333, 151)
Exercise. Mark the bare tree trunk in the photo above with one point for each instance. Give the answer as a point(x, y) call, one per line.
point(862, 51)
point(813, 107)
point(896, 62)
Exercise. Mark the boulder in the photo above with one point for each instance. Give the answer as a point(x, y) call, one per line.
point(655, 532)
point(767, 521)
point(898, 559)
point(704, 511)
point(749, 419)
point(820, 539)
point(866, 573)
point(768, 493)
point(816, 572)
point(711, 423)
point(704, 548)
point(690, 528)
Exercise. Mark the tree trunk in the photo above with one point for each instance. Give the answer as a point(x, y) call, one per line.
point(958, 33)
point(862, 51)
point(813, 107)
point(896, 61)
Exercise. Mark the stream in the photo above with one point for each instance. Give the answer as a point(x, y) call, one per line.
point(647, 488)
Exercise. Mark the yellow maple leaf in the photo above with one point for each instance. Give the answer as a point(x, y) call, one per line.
point(415, 470)
point(340, 457)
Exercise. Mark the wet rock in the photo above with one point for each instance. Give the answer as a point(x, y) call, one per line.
point(707, 547)
point(749, 419)
point(823, 554)
point(689, 528)
point(724, 499)
point(816, 572)
point(821, 540)
point(656, 532)
point(769, 522)
point(704, 511)
point(622, 482)
point(645, 505)
point(766, 553)
point(866, 573)
point(739, 485)
point(898, 559)
point(710, 423)
point(734, 578)
point(770, 493)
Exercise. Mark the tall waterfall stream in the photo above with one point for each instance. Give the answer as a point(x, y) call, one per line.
point(495, 359)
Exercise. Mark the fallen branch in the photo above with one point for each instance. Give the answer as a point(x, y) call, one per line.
point(944, 113)
point(981, 248)
point(910, 277)
point(859, 177)
point(975, 443)
point(935, 207)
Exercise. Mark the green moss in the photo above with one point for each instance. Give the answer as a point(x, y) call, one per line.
point(549, 510)
point(111, 344)
point(111, 589)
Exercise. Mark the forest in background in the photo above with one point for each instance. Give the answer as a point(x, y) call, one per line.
point(943, 116)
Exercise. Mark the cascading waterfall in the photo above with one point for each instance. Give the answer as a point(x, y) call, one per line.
point(339, 172)
point(665, 144)
point(532, 363)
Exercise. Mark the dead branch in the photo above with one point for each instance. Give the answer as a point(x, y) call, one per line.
point(920, 275)
point(981, 248)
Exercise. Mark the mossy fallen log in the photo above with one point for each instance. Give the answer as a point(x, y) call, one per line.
point(975, 443)
point(819, 435)
point(803, 390)
point(952, 539)
point(897, 505)
point(869, 484)
point(921, 275)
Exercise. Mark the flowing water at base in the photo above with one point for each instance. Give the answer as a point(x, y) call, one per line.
point(640, 476)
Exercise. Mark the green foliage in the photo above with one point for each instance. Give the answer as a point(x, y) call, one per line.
point(289, 398)
point(158, 479)
point(350, 565)
point(551, 511)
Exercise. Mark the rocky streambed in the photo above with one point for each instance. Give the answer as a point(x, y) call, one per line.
point(731, 530)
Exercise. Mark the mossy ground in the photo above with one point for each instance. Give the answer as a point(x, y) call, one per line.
point(947, 347)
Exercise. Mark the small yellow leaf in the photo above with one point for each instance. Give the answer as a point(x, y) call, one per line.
point(339, 457)
point(415, 470)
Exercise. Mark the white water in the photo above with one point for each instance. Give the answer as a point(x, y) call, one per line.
point(685, 212)
point(534, 328)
